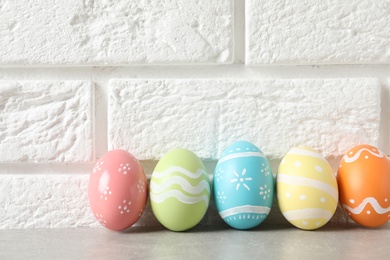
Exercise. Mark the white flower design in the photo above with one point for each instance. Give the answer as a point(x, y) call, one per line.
point(107, 192)
point(124, 208)
point(221, 197)
point(241, 180)
point(124, 168)
point(97, 167)
point(265, 191)
point(141, 186)
point(265, 170)
point(218, 174)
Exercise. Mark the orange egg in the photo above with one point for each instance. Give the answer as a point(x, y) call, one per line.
point(364, 185)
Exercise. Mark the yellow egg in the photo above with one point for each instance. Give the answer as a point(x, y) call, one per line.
point(306, 188)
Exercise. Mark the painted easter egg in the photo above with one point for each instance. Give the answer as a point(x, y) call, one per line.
point(117, 190)
point(364, 184)
point(306, 188)
point(243, 186)
point(179, 190)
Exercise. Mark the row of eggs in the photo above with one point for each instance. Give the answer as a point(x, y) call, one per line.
point(306, 188)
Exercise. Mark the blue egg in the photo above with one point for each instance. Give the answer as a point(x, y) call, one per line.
point(243, 186)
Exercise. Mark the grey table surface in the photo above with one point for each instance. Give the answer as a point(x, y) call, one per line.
point(203, 242)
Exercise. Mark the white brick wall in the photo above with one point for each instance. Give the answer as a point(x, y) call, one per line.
point(74, 32)
point(312, 32)
point(78, 78)
point(46, 121)
point(160, 115)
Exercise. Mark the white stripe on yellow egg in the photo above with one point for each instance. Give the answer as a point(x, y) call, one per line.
point(309, 213)
point(293, 197)
point(302, 181)
point(306, 152)
point(309, 166)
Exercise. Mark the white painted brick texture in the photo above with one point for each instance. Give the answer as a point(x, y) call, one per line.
point(44, 201)
point(74, 32)
point(317, 32)
point(81, 77)
point(151, 117)
point(46, 121)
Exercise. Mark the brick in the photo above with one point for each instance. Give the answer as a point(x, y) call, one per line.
point(312, 32)
point(151, 117)
point(115, 32)
point(45, 201)
point(46, 121)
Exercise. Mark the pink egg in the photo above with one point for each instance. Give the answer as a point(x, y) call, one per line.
point(117, 190)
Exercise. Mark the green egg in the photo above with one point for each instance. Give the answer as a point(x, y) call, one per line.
point(179, 190)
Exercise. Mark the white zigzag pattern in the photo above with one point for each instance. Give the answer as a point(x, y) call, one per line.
point(184, 184)
point(374, 203)
point(179, 169)
point(159, 198)
point(356, 156)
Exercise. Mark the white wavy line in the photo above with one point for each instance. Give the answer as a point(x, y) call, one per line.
point(304, 152)
point(298, 180)
point(159, 198)
point(184, 184)
point(356, 156)
point(239, 155)
point(370, 200)
point(310, 213)
point(178, 169)
point(244, 209)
